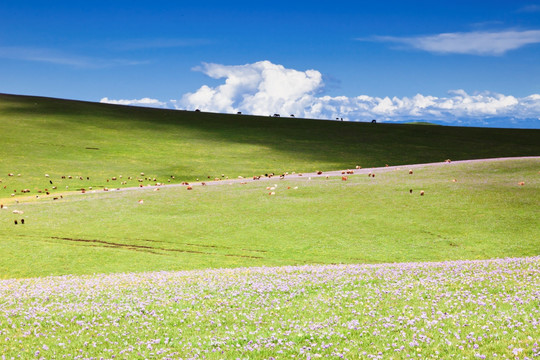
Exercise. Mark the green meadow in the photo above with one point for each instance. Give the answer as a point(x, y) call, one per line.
point(484, 214)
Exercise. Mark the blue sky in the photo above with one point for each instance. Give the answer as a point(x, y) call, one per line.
point(194, 54)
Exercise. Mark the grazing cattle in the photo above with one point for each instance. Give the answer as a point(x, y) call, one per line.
point(522, 183)
point(372, 175)
point(358, 167)
point(70, 177)
point(373, 121)
point(63, 176)
point(19, 212)
point(46, 175)
point(350, 172)
point(319, 172)
point(410, 172)
point(113, 178)
point(410, 191)
point(50, 181)
point(369, 175)
point(10, 174)
point(422, 193)
point(344, 178)
point(1, 206)
point(454, 180)
point(55, 198)
point(22, 221)
point(277, 115)
point(203, 184)
point(448, 160)
point(189, 187)
point(15, 222)
point(141, 201)
point(272, 193)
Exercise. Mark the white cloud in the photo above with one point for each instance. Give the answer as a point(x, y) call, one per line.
point(473, 43)
point(264, 88)
point(147, 102)
point(261, 88)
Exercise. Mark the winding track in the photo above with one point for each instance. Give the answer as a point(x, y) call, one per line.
point(296, 176)
point(329, 173)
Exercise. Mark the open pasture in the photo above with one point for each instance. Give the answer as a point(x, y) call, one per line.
point(99, 142)
point(451, 310)
point(483, 214)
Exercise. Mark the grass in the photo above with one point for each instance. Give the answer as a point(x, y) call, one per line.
point(461, 309)
point(452, 310)
point(485, 214)
point(58, 137)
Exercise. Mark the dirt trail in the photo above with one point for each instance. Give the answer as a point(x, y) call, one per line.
point(332, 173)
point(302, 175)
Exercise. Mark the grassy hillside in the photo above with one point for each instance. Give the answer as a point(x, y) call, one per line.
point(484, 214)
point(58, 137)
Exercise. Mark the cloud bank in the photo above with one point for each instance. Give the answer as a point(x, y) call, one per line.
point(472, 43)
point(264, 88)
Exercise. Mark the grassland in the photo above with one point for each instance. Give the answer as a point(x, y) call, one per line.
point(57, 137)
point(484, 214)
point(452, 310)
point(459, 309)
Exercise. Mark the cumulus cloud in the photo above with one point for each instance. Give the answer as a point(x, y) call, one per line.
point(146, 102)
point(473, 43)
point(264, 88)
point(259, 88)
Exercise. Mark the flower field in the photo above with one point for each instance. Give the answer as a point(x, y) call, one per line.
point(464, 310)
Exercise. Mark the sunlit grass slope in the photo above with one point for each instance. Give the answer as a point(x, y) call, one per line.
point(58, 137)
point(484, 214)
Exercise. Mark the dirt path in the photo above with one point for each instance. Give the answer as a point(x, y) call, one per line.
point(330, 173)
point(294, 176)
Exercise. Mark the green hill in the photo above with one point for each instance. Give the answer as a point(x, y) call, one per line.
point(100, 141)
point(485, 213)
